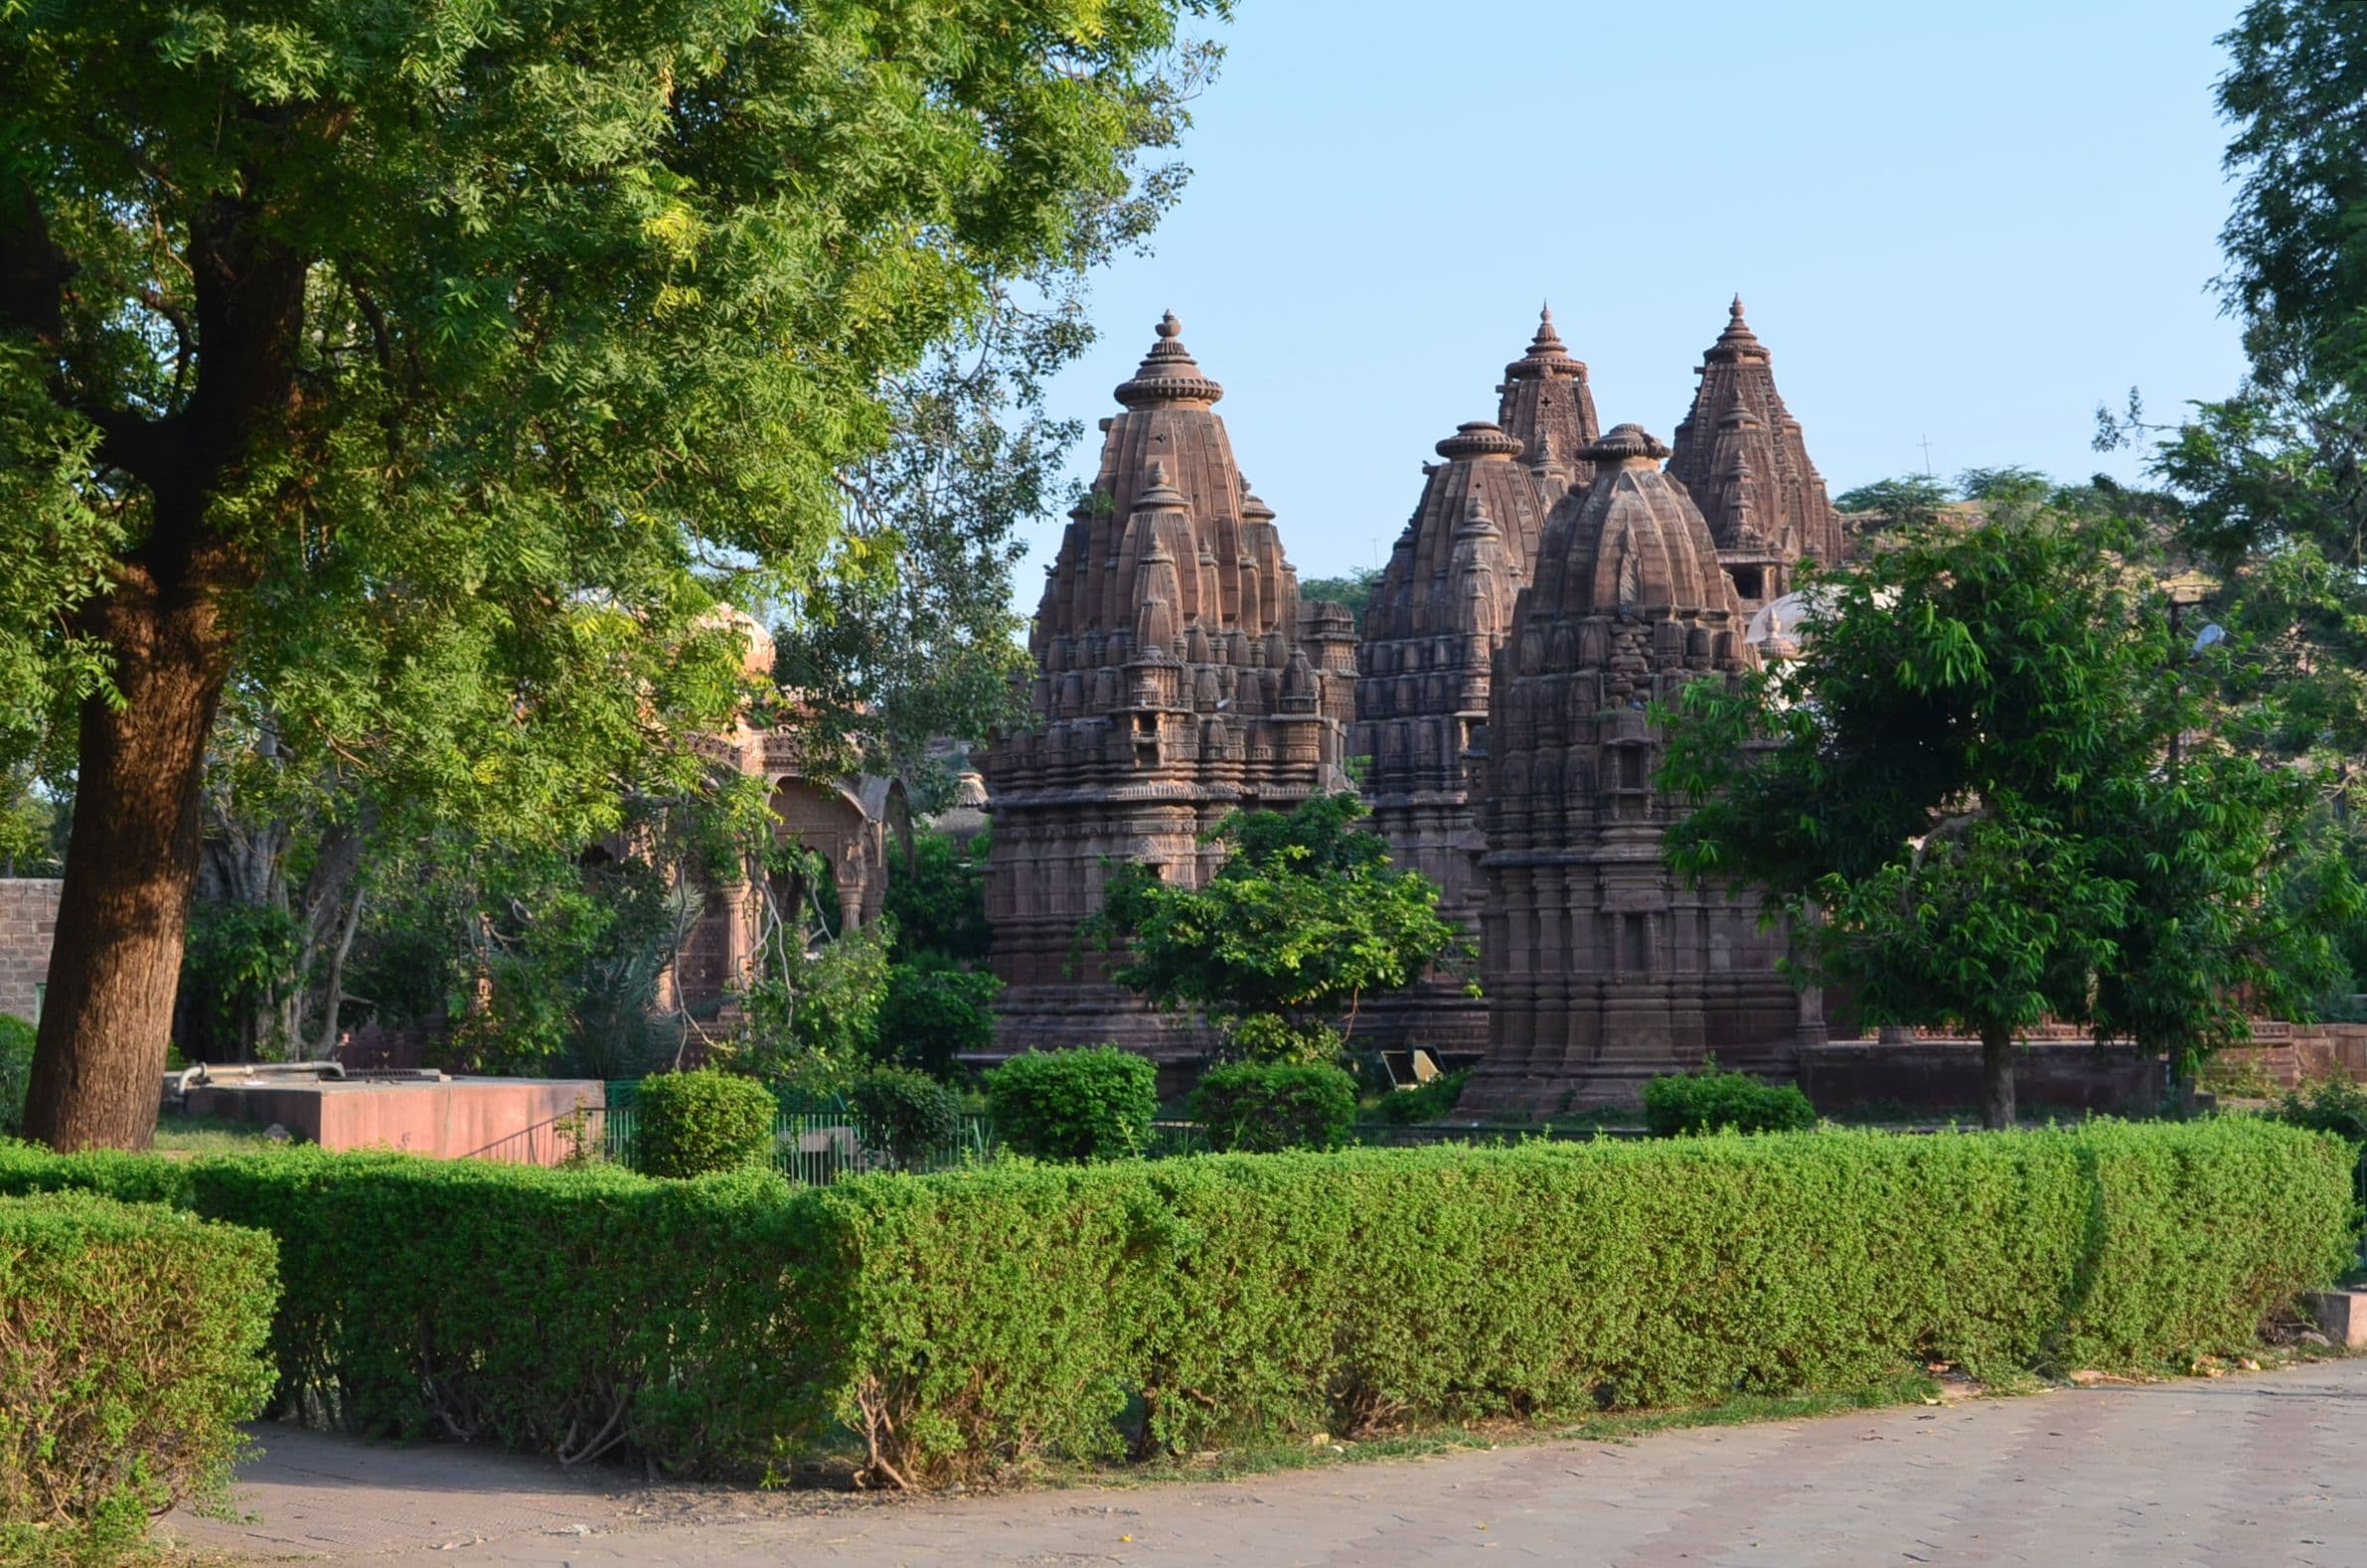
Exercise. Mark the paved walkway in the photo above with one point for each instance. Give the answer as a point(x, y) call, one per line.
point(2244, 1469)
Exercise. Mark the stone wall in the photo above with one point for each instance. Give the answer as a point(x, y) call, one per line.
point(28, 922)
point(1942, 1077)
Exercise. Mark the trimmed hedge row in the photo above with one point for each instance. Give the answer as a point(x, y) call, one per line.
point(131, 1344)
point(1005, 1312)
point(961, 1322)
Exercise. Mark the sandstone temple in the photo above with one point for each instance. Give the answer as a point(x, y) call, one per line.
point(1552, 581)
point(1179, 678)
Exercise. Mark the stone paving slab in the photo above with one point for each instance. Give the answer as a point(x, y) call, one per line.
point(2251, 1469)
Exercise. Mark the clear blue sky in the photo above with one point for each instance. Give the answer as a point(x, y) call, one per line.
point(1971, 222)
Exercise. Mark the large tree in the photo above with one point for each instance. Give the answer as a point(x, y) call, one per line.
point(531, 328)
point(1991, 791)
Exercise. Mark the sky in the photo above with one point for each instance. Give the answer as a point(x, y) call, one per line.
point(1966, 225)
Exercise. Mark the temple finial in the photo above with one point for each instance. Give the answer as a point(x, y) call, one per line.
point(1734, 311)
point(1170, 326)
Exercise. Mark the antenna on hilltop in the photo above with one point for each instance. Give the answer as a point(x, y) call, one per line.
point(1926, 457)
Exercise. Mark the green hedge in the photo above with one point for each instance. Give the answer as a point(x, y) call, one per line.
point(131, 1344)
point(961, 1322)
point(980, 1318)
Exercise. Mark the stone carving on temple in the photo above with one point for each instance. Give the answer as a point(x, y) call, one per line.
point(1740, 457)
point(1602, 966)
point(1179, 678)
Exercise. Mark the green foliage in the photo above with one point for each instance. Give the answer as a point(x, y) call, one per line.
point(820, 1008)
point(1985, 793)
point(576, 1311)
point(15, 1070)
point(1710, 1101)
point(548, 341)
point(694, 1123)
point(1424, 1102)
point(990, 1316)
point(934, 1011)
point(131, 1344)
point(1263, 1108)
point(1354, 589)
point(1905, 502)
point(1303, 920)
point(909, 1114)
point(1093, 1104)
point(964, 1321)
point(938, 901)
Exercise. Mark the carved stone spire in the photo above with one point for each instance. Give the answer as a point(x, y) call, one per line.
point(1601, 966)
point(1740, 455)
point(1179, 678)
point(1442, 604)
point(1546, 405)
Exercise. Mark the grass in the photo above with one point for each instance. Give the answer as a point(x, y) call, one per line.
point(178, 1134)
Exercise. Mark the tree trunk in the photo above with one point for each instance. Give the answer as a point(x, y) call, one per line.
point(130, 864)
point(1997, 1079)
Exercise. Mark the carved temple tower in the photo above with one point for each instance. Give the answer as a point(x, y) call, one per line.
point(1740, 457)
point(1601, 966)
point(1444, 603)
point(1179, 678)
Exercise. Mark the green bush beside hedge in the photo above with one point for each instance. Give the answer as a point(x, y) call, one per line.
point(963, 1321)
point(1093, 1104)
point(1263, 1108)
point(131, 1344)
point(1711, 1101)
point(694, 1123)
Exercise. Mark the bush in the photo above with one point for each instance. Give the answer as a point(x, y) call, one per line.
point(131, 1344)
point(935, 1011)
point(1093, 1104)
point(693, 1123)
point(1427, 1102)
point(1015, 1310)
point(1264, 1109)
point(15, 1072)
point(964, 1321)
point(1711, 1101)
point(578, 1312)
point(909, 1114)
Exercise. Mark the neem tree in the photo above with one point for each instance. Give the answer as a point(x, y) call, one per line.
point(1983, 795)
point(446, 359)
point(1304, 919)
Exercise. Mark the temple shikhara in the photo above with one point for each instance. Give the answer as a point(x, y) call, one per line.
point(1179, 678)
point(1603, 968)
point(1552, 581)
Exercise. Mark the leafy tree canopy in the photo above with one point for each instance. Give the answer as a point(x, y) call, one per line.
point(1989, 791)
point(426, 374)
point(1303, 920)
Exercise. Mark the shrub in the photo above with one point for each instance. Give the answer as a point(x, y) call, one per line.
point(909, 1114)
point(1427, 1102)
point(1711, 1101)
point(15, 1072)
point(1263, 1109)
point(1012, 1311)
point(131, 1344)
point(1094, 1104)
point(693, 1123)
point(963, 1321)
point(935, 1011)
